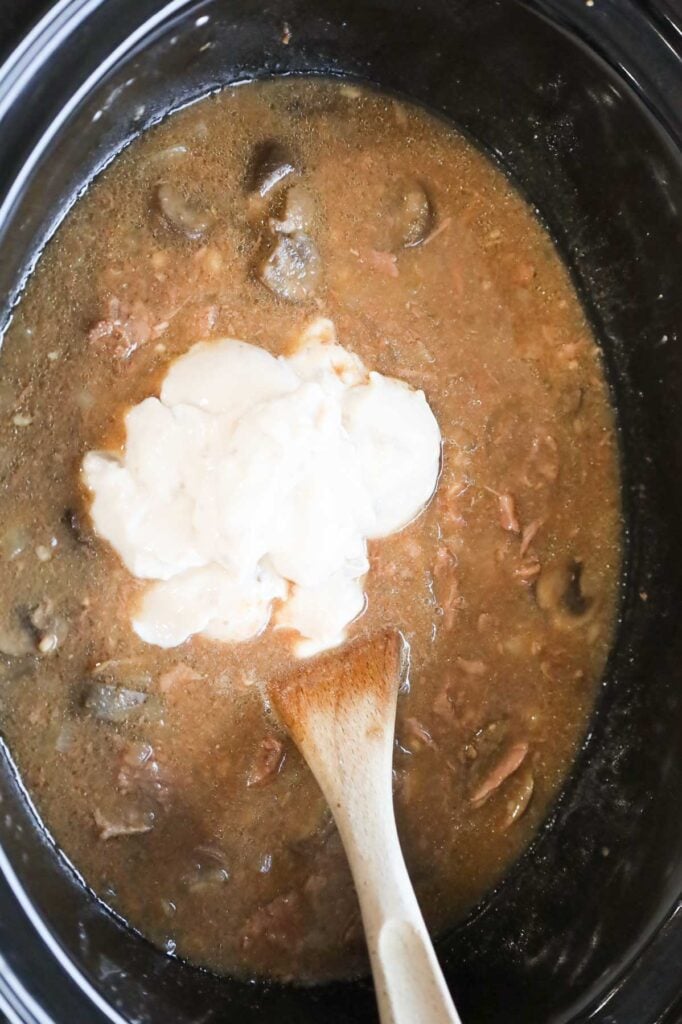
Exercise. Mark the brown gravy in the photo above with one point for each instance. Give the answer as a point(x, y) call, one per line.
point(190, 813)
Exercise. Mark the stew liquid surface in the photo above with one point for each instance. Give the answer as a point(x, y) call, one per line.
point(163, 774)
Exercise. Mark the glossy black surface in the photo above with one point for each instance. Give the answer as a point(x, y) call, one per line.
point(583, 108)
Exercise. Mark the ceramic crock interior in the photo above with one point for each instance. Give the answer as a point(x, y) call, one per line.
point(607, 181)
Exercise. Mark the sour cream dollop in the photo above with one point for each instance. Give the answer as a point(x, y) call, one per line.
point(253, 479)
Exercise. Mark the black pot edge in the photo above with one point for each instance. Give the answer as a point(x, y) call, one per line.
point(660, 93)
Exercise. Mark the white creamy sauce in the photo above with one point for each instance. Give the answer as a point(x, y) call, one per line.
point(256, 479)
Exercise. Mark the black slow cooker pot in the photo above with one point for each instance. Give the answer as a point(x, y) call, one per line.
point(581, 104)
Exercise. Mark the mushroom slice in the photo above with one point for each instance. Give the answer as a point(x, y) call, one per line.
point(562, 593)
point(297, 213)
point(293, 268)
point(113, 703)
point(271, 164)
point(186, 217)
point(409, 214)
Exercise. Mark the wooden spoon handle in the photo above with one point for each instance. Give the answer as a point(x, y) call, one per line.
point(408, 979)
point(409, 983)
point(351, 760)
point(342, 719)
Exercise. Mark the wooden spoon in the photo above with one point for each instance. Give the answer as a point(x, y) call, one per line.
point(340, 711)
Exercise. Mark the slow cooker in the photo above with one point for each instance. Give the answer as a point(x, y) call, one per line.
point(580, 102)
